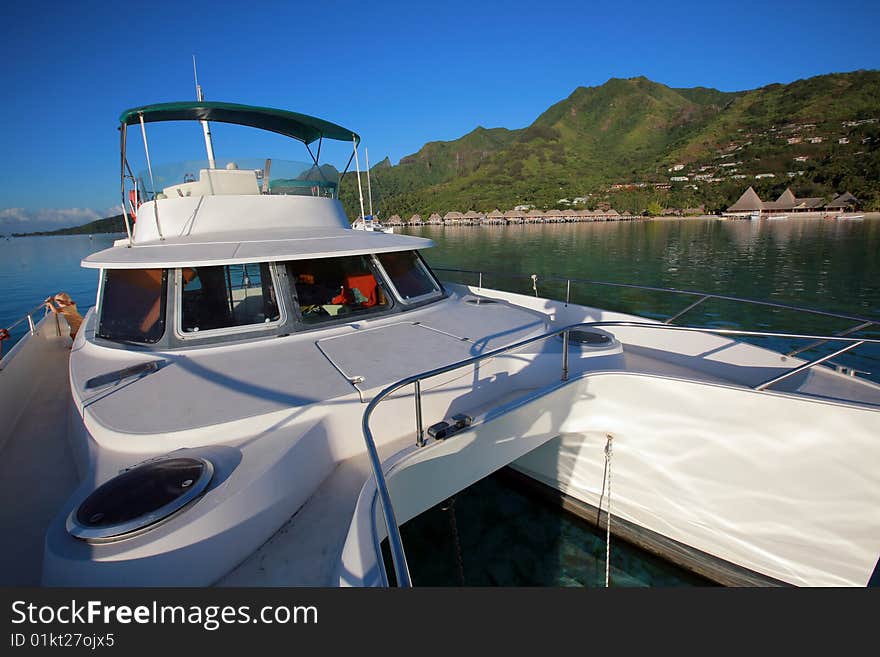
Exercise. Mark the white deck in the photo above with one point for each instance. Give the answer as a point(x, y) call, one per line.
point(283, 410)
point(37, 468)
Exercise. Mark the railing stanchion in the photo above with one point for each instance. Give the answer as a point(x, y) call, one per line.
point(681, 313)
point(420, 432)
point(567, 291)
point(782, 377)
point(31, 327)
point(565, 355)
point(480, 284)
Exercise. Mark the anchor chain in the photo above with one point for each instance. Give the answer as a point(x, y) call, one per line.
point(608, 452)
point(606, 481)
point(450, 507)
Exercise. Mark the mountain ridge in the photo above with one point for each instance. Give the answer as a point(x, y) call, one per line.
point(631, 130)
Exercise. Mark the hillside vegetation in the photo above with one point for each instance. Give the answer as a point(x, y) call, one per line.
point(620, 144)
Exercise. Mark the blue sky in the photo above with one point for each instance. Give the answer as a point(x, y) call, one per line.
point(399, 74)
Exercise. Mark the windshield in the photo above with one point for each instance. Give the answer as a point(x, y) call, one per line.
point(238, 176)
point(409, 275)
point(132, 305)
point(327, 288)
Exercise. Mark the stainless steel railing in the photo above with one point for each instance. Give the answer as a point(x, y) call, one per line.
point(32, 325)
point(395, 542)
point(29, 318)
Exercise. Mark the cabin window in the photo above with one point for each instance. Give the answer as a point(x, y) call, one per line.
point(226, 297)
point(327, 288)
point(133, 305)
point(409, 275)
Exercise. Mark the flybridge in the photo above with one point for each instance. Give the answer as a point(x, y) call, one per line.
point(231, 177)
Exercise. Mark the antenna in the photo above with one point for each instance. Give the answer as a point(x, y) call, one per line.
point(369, 189)
point(209, 144)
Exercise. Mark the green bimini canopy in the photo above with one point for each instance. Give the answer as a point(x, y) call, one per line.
point(299, 126)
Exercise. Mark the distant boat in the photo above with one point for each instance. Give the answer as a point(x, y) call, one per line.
point(371, 224)
point(777, 216)
point(852, 217)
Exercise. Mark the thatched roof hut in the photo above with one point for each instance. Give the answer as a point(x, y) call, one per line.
point(748, 202)
point(534, 217)
point(495, 217)
point(844, 202)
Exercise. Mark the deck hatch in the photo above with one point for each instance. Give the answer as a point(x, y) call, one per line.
point(373, 358)
point(140, 497)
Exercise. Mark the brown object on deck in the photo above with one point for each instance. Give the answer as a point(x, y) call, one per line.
point(62, 304)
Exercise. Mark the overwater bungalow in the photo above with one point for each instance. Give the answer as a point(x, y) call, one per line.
point(553, 217)
point(452, 218)
point(514, 216)
point(435, 220)
point(534, 217)
point(395, 220)
point(495, 218)
point(470, 218)
point(415, 220)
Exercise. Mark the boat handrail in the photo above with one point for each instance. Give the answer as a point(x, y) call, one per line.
point(29, 318)
point(32, 325)
point(395, 542)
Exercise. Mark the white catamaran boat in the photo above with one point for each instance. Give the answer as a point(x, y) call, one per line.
point(261, 395)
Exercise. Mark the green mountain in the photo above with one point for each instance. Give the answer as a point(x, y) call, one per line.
point(620, 144)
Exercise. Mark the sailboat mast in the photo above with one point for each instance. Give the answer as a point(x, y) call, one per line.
point(209, 144)
point(358, 171)
point(369, 188)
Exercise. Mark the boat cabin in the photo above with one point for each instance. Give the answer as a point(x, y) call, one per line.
point(246, 248)
point(179, 306)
